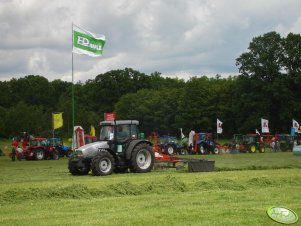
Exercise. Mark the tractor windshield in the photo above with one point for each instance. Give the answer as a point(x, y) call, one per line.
point(54, 141)
point(106, 132)
point(38, 143)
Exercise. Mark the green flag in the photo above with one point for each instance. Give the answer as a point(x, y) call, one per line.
point(85, 42)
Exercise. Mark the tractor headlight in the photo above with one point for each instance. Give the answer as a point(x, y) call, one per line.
point(78, 153)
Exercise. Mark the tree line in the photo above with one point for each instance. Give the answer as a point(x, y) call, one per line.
point(268, 86)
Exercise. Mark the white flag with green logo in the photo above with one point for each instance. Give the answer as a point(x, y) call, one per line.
point(85, 42)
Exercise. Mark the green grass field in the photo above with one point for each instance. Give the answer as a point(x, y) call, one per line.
point(237, 193)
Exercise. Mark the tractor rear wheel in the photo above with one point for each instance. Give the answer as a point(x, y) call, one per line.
point(39, 154)
point(103, 164)
point(142, 159)
point(261, 149)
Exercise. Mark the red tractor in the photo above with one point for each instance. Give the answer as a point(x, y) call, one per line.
point(36, 149)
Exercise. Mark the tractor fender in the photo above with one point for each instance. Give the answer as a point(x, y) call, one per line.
point(132, 145)
point(200, 142)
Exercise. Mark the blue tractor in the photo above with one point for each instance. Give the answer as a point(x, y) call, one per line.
point(170, 145)
point(57, 143)
point(204, 144)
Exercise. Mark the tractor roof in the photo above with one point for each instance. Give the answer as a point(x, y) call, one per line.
point(252, 134)
point(39, 138)
point(120, 122)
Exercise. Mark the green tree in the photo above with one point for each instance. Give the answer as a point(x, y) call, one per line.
point(23, 117)
point(33, 90)
point(264, 58)
point(104, 91)
point(155, 109)
point(270, 74)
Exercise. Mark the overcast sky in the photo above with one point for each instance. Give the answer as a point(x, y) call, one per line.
point(180, 38)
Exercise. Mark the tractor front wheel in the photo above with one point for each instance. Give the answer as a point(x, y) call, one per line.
point(55, 155)
point(39, 154)
point(183, 151)
point(78, 166)
point(142, 159)
point(202, 150)
point(216, 151)
point(170, 149)
point(103, 164)
point(252, 148)
point(261, 149)
point(68, 153)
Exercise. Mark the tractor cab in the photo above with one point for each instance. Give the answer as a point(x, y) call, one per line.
point(119, 134)
point(38, 142)
point(251, 138)
point(286, 142)
point(55, 141)
point(118, 131)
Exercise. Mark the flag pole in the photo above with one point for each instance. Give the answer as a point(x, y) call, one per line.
point(52, 125)
point(72, 94)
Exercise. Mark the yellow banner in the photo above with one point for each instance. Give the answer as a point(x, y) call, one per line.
point(57, 120)
point(92, 131)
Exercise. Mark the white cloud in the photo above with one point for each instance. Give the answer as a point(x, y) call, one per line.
point(38, 63)
point(174, 37)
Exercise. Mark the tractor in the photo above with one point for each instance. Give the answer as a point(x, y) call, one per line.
point(119, 149)
point(286, 142)
point(39, 150)
point(237, 144)
point(57, 144)
point(170, 145)
point(247, 143)
point(204, 144)
point(254, 143)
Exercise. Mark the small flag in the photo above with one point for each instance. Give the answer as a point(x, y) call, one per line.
point(85, 42)
point(109, 116)
point(92, 131)
point(296, 126)
point(265, 126)
point(257, 132)
point(182, 134)
point(57, 120)
point(219, 128)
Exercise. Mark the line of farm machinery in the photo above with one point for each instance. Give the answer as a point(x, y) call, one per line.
point(253, 143)
point(121, 148)
point(27, 147)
